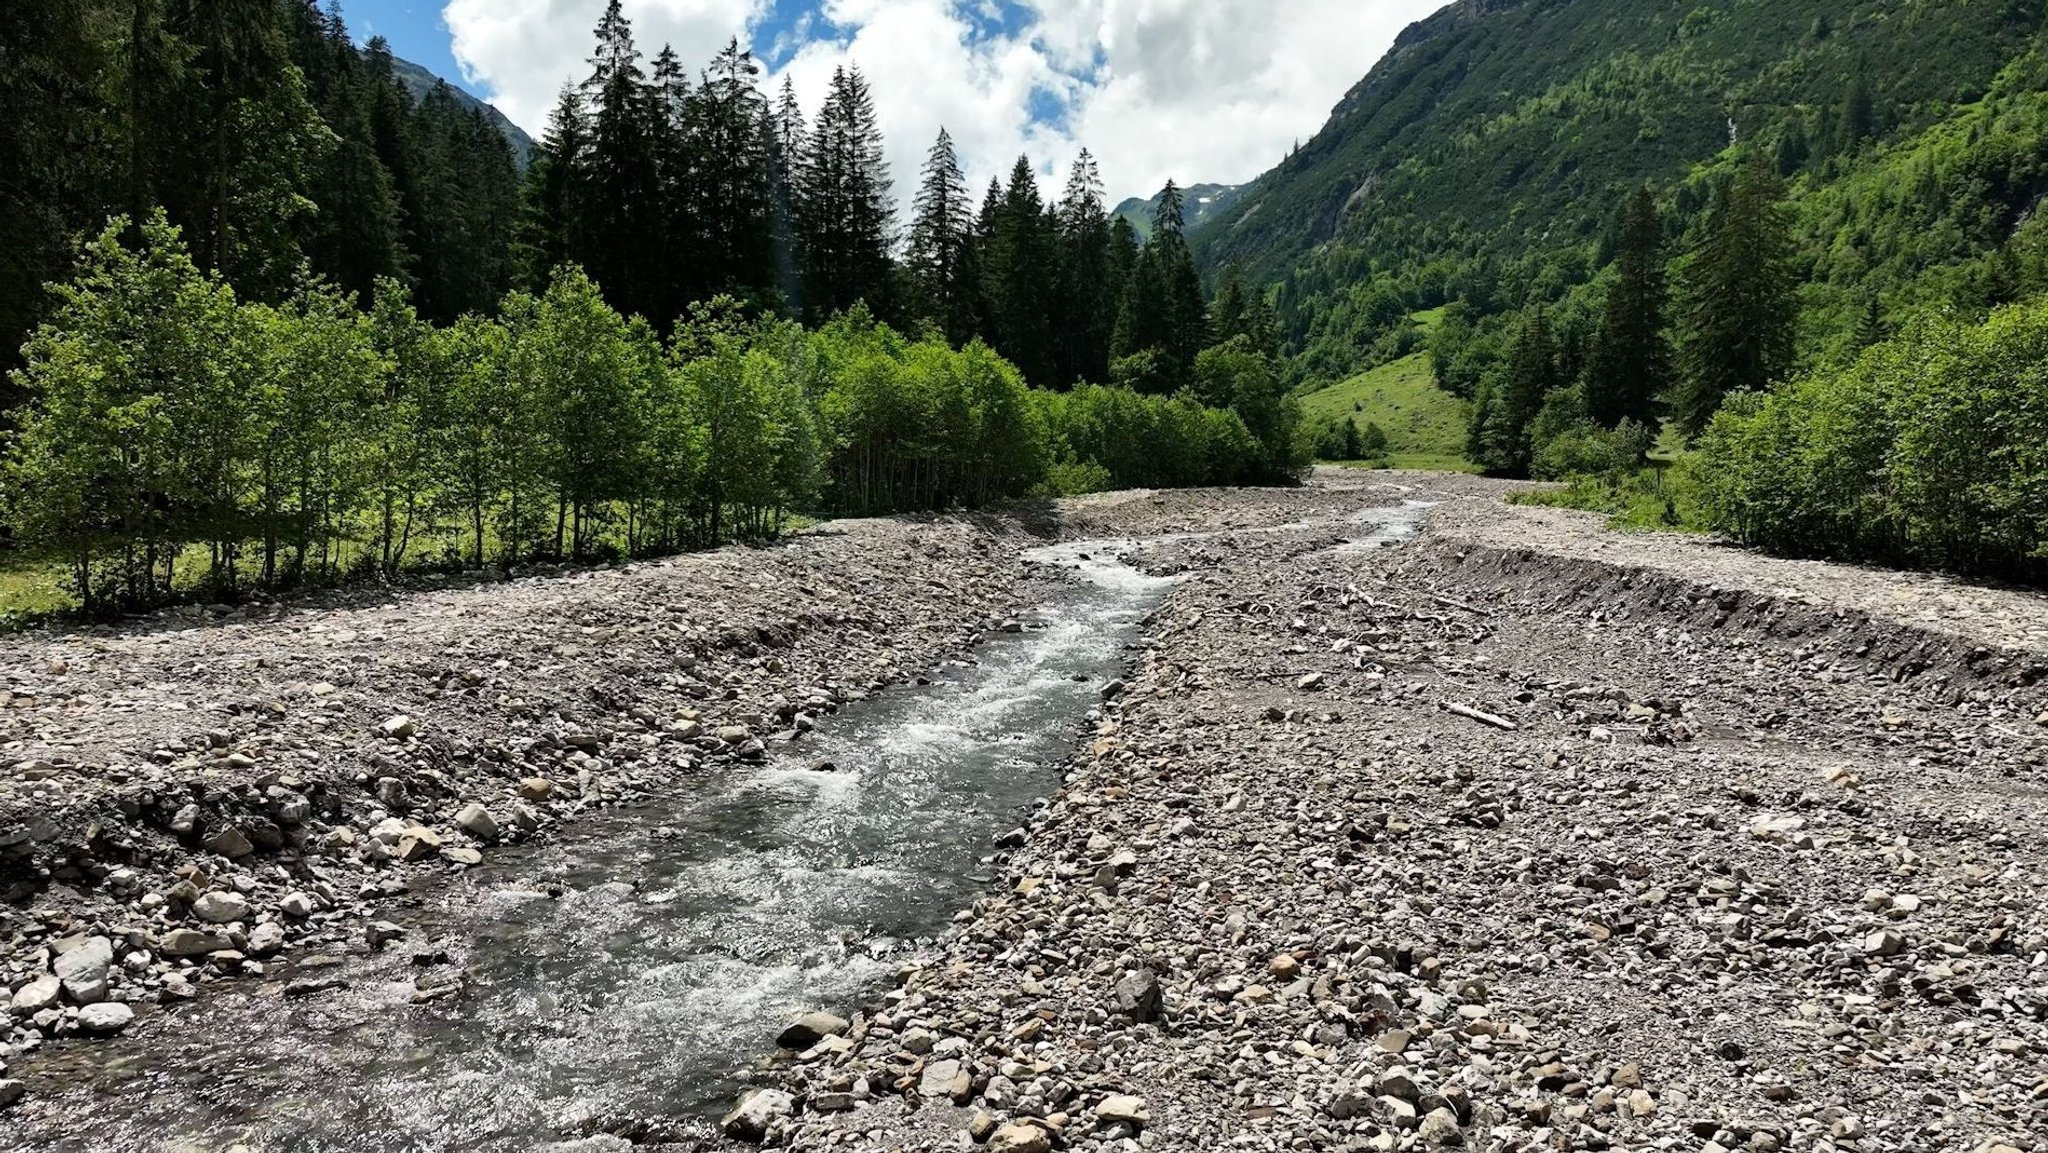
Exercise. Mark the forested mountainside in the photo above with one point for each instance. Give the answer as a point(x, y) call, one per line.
point(1488, 157)
point(1201, 203)
point(420, 81)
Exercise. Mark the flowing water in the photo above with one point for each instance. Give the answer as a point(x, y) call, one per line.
point(682, 934)
point(686, 933)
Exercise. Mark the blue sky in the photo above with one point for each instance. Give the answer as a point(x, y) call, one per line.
point(1197, 90)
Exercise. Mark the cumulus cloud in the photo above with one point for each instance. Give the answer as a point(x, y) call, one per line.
point(1196, 90)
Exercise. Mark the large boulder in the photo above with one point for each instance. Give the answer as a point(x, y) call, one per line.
point(83, 969)
point(758, 1114)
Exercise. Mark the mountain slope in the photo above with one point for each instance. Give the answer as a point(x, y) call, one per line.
point(1201, 203)
point(419, 81)
point(1485, 156)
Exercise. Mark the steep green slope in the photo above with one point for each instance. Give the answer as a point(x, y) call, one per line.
point(1201, 204)
point(1425, 425)
point(1485, 157)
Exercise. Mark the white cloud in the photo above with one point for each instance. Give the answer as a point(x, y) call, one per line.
point(1196, 90)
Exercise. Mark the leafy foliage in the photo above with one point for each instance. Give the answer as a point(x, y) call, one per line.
point(307, 442)
point(1930, 448)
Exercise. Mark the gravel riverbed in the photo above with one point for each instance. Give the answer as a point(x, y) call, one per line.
point(1519, 835)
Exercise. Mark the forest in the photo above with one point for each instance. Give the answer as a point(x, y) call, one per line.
point(280, 324)
point(1637, 230)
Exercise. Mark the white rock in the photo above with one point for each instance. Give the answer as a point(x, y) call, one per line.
point(477, 822)
point(218, 908)
point(83, 970)
point(105, 1017)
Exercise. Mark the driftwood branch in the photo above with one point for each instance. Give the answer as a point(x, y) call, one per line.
point(1458, 604)
point(1484, 718)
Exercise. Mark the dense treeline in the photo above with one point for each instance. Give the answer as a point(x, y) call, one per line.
point(277, 146)
point(336, 332)
point(263, 132)
point(310, 441)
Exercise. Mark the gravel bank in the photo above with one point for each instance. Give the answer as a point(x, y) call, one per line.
point(1520, 836)
point(185, 800)
point(1391, 850)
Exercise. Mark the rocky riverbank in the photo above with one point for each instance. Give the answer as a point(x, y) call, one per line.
point(187, 800)
point(1520, 835)
point(1506, 842)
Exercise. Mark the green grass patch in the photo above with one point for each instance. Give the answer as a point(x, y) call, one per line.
point(1644, 499)
point(1422, 421)
point(1415, 462)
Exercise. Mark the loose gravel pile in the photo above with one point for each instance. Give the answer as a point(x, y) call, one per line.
point(1524, 835)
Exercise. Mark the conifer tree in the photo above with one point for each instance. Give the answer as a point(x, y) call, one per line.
point(618, 189)
point(1504, 429)
point(1163, 310)
point(788, 144)
point(1018, 275)
point(1631, 361)
point(1085, 307)
point(941, 230)
point(549, 233)
point(1740, 313)
point(843, 203)
point(732, 191)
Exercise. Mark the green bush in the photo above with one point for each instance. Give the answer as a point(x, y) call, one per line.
point(1931, 448)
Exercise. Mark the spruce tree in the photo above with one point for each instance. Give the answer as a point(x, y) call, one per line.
point(1019, 276)
point(1085, 309)
point(680, 279)
point(1631, 360)
point(618, 189)
point(1504, 439)
point(788, 143)
point(941, 229)
point(549, 234)
point(733, 189)
point(1740, 314)
point(843, 204)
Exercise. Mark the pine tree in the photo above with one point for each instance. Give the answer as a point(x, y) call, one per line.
point(680, 279)
point(1631, 360)
point(1019, 275)
point(843, 204)
point(618, 188)
point(732, 189)
point(1085, 311)
point(788, 144)
point(1870, 327)
point(1858, 121)
point(1163, 309)
point(1741, 314)
point(940, 233)
point(551, 210)
point(1504, 439)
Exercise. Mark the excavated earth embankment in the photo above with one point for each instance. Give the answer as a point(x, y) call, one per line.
point(1519, 835)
